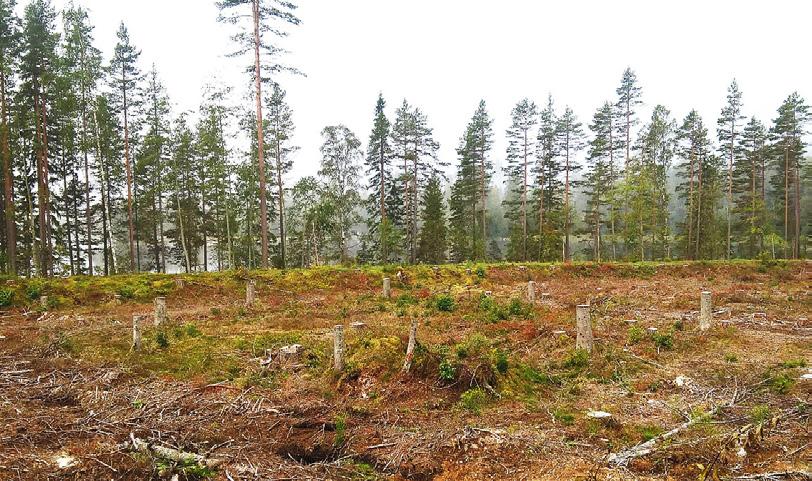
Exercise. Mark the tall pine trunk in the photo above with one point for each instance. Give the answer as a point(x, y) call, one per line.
point(8, 181)
point(128, 169)
point(263, 203)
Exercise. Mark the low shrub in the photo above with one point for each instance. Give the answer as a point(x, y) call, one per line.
point(445, 303)
point(473, 400)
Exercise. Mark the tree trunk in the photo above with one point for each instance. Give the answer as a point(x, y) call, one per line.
point(8, 181)
point(263, 203)
point(281, 188)
point(128, 169)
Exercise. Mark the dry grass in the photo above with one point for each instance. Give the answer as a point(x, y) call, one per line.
point(496, 390)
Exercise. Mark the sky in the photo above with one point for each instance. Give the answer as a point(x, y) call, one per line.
point(446, 55)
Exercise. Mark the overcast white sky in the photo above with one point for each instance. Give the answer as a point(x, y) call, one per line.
point(444, 56)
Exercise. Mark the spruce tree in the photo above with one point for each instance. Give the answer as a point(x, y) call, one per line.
point(518, 170)
point(469, 192)
point(378, 163)
point(600, 177)
point(433, 245)
point(728, 132)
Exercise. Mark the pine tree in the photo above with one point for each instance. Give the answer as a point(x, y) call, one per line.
point(38, 69)
point(253, 37)
point(749, 171)
point(126, 77)
point(570, 141)
point(518, 170)
point(549, 188)
point(9, 43)
point(788, 148)
point(151, 165)
point(433, 245)
point(699, 189)
point(415, 150)
point(108, 146)
point(340, 158)
point(727, 133)
point(83, 62)
point(656, 146)
point(280, 133)
point(628, 93)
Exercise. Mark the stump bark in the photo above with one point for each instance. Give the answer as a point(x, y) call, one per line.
point(531, 291)
point(387, 287)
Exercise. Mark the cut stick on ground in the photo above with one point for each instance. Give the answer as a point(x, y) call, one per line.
point(622, 458)
point(407, 364)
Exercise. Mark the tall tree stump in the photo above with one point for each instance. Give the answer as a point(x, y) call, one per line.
point(583, 324)
point(387, 287)
point(338, 348)
point(137, 320)
point(43, 302)
point(531, 291)
point(407, 364)
point(705, 311)
point(250, 292)
point(160, 310)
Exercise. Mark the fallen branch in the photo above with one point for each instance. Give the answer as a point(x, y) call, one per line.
point(170, 454)
point(778, 475)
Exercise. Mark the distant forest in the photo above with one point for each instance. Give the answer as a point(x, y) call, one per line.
point(101, 177)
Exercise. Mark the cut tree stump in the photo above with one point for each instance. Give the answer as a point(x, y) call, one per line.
point(583, 323)
point(160, 310)
point(250, 292)
point(531, 291)
point(338, 348)
point(387, 287)
point(705, 311)
point(137, 320)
